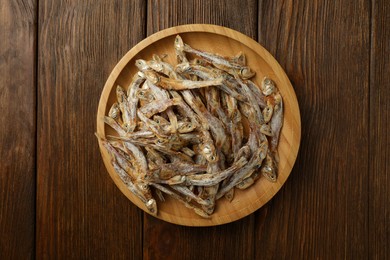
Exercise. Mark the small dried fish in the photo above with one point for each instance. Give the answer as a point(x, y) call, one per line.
point(258, 95)
point(267, 86)
point(157, 106)
point(254, 162)
point(150, 203)
point(132, 100)
point(177, 84)
point(171, 193)
point(169, 170)
point(119, 157)
point(114, 125)
point(180, 129)
point(209, 74)
point(209, 179)
point(179, 50)
point(114, 112)
point(276, 122)
point(268, 170)
point(163, 94)
point(221, 63)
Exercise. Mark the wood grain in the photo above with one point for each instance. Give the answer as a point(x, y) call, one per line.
point(211, 242)
point(379, 149)
point(18, 128)
point(237, 15)
point(322, 211)
point(168, 241)
point(334, 205)
point(80, 212)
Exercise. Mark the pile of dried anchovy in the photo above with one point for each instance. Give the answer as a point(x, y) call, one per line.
point(180, 129)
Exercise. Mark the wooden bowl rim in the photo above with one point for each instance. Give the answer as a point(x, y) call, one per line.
point(244, 40)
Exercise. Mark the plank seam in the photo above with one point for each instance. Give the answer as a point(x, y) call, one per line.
point(143, 215)
point(34, 253)
point(254, 230)
point(370, 80)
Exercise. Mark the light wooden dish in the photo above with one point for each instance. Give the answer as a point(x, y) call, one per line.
point(228, 42)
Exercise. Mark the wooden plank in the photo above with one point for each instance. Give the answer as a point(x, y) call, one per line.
point(163, 240)
point(379, 211)
point(18, 128)
point(322, 212)
point(237, 15)
point(81, 214)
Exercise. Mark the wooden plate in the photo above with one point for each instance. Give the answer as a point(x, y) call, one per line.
point(228, 42)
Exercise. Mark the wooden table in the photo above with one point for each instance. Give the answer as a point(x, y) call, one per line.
point(57, 200)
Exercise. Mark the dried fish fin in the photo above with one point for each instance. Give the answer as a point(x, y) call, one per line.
point(160, 195)
point(239, 59)
point(229, 195)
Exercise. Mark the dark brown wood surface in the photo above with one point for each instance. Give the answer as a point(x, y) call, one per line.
point(57, 200)
point(17, 128)
point(80, 213)
point(323, 209)
point(379, 129)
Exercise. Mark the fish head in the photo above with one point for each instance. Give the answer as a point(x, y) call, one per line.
point(151, 205)
point(152, 77)
point(182, 67)
point(269, 173)
point(141, 64)
point(267, 86)
point(246, 73)
point(120, 93)
point(179, 44)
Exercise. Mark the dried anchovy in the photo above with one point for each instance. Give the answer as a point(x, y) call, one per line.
point(180, 129)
